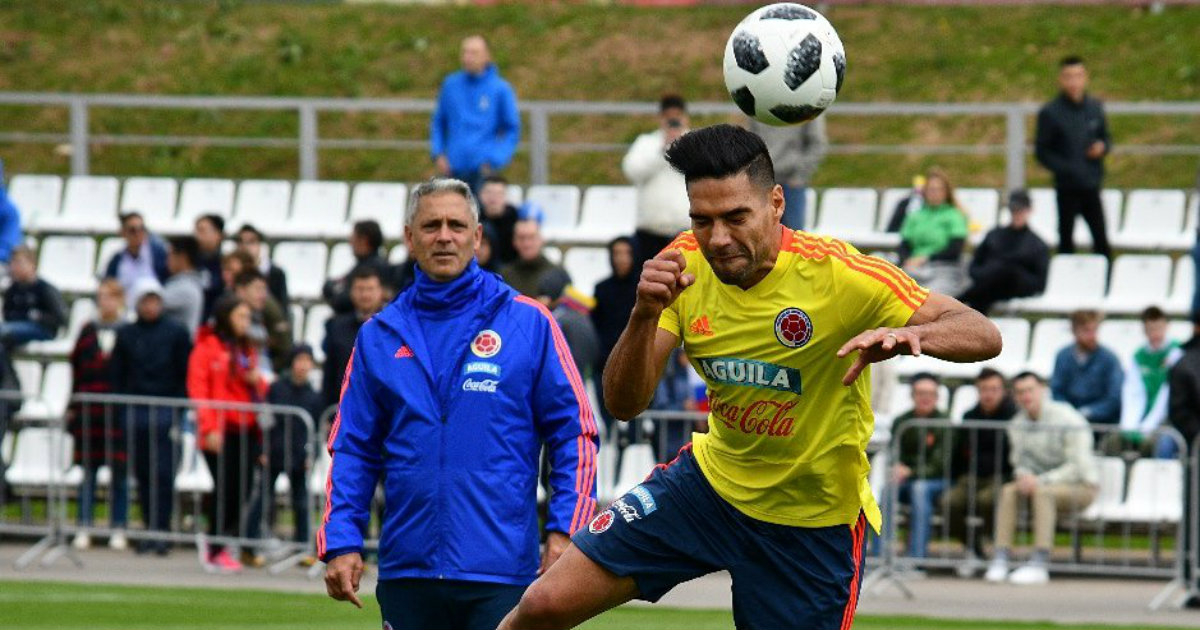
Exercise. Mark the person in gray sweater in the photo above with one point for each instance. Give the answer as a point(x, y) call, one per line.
point(1053, 467)
point(183, 294)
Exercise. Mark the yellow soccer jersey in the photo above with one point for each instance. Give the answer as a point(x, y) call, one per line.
point(786, 441)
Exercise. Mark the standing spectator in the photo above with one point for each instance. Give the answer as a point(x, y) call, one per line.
point(1011, 262)
point(978, 465)
point(531, 267)
point(99, 438)
point(1183, 412)
point(144, 255)
point(796, 151)
point(366, 241)
point(209, 233)
point(250, 240)
point(287, 452)
point(1086, 375)
point(455, 442)
point(269, 329)
point(932, 238)
point(662, 201)
point(10, 223)
point(224, 367)
point(476, 125)
point(615, 296)
point(924, 455)
point(1052, 458)
point(368, 298)
point(1146, 392)
point(33, 309)
point(147, 360)
point(183, 295)
point(500, 216)
point(1072, 140)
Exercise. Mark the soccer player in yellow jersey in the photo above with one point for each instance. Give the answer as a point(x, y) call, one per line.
point(780, 324)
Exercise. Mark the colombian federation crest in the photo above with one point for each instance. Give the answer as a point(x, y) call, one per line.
point(602, 522)
point(793, 328)
point(486, 344)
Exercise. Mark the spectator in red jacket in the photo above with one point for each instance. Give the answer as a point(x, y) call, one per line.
point(224, 367)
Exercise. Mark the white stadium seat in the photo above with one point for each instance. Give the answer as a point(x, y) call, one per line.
point(1182, 286)
point(561, 207)
point(1155, 493)
point(89, 205)
point(1015, 333)
point(587, 266)
point(263, 203)
point(314, 329)
point(398, 254)
point(198, 197)
point(381, 202)
point(1154, 220)
point(637, 461)
point(1112, 490)
point(1049, 337)
point(608, 212)
point(1138, 282)
point(36, 196)
point(1122, 336)
point(982, 206)
point(1180, 331)
point(297, 315)
point(849, 214)
point(965, 398)
point(514, 194)
point(109, 247)
point(553, 254)
point(56, 388)
point(318, 209)
point(305, 264)
point(67, 262)
point(41, 459)
point(341, 260)
point(1075, 281)
point(29, 377)
point(152, 197)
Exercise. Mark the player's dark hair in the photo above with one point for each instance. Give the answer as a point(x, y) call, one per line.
point(1027, 374)
point(370, 230)
point(1070, 60)
point(671, 101)
point(1153, 314)
point(722, 151)
point(187, 247)
point(217, 221)
point(988, 373)
point(926, 376)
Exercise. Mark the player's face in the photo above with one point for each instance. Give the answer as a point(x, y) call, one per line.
point(443, 236)
point(736, 224)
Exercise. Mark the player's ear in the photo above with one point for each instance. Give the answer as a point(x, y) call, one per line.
point(777, 202)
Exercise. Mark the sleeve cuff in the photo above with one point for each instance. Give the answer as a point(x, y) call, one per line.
point(341, 551)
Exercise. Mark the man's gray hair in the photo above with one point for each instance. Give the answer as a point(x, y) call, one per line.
point(437, 186)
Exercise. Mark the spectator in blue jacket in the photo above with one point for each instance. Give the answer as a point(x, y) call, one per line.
point(476, 125)
point(144, 256)
point(451, 393)
point(10, 222)
point(1088, 375)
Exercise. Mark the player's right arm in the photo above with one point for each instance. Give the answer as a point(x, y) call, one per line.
point(637, 361)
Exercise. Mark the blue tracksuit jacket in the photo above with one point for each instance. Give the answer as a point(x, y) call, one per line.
point(459, 458)
point(476, 121)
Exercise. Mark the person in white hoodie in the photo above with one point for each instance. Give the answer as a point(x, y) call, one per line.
point(1146, 391)
point(662, 200)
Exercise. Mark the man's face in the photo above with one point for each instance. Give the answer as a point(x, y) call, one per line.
point(443, 235)
point(1073, 81)
point(302, 365)
point(208, 236)
point(991, 393)
point(359, 245)
point(134, 231)
point(109, 303)
point(1020, 218)
point(230, 269)
point(924, 398)
point(175, 262)
point(255, 294)
point(1156, 332)
point(366, 294)
point(1028, 392)
point(475, 55)
point(622, 259)
point(736, 224)
point(249, 243)
point(527, 240)
point(1086, 336)
point(674, 118)
point(493, 197)
point(149, 308)
point(22, 269)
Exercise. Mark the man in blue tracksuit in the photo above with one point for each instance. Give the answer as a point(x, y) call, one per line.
point(476, 125)
point(449, 396)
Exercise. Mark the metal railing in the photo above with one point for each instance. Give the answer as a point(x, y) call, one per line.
point(538, 143)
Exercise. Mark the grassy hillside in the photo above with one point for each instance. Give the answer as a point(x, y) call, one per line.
point(568, 52)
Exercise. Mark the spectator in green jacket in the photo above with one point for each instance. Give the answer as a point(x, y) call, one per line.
point(932, 238)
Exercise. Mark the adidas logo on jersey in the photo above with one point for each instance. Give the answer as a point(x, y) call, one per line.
point(701, 326)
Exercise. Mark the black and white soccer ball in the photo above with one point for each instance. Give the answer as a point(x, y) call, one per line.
point(784, 64)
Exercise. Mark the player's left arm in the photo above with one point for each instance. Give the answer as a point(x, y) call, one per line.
point(942, 327)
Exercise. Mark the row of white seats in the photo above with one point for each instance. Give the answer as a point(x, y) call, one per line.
point(1076, 281)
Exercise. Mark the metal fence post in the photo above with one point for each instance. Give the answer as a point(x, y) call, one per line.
point(308, 142)
point(79, 136)
point(539, 146)
point(1014, 140)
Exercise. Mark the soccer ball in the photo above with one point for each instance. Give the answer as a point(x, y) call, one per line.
point(784, 64)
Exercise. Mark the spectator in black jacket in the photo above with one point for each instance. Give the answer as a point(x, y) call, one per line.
point(149, 358)
point(209, 233)
point(250, 240)
point(978, 465)
point(366, 239)
point(1183, 412)
point(500, 215)
point(1072, 140)
point(615, 296)
point(366, 298)
point(33, 309)
point(1011, 262)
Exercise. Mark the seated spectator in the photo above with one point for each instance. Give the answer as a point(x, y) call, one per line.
point(1146, 391)
point(500, 216)
point(269, 328)
point(1011, 262)
point(527, 272)
point(33, 309)
point(485, 253)
point(367, 298)
point(978, 465)
point(287, 452)
point(924, 453)
point(1051, 455)
point(366, 241)
point(10, 223)
point(147, 360)
point(224, 367)
point(183, 295)
point(99, 439)
point(250, 240)
point(1086, 375)
point(571, 310)
point(932, 238)
point(615, 296)
point(209, 233)
point(144, 255)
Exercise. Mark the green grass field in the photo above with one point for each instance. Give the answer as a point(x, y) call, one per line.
point(36, 605)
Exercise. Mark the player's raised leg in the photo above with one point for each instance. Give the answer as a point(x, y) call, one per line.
point(573, 590)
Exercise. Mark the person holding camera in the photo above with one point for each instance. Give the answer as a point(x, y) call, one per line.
point(662, 201)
